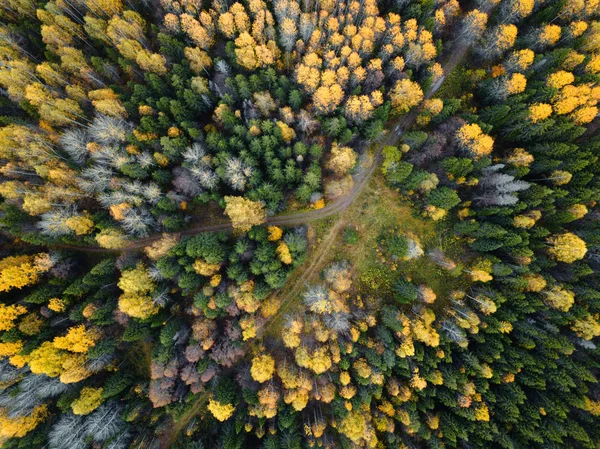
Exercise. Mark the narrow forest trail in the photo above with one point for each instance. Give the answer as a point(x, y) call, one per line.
point(291, 291)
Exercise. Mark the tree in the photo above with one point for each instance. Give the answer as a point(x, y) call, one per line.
point(244, 213)
point(539, 111)
point(354, 426)
point(586, 328)
point(263, 368)
point(89, 400)
point(405, 95)
point(20, 271)
point(559, 298)
point(199, 59)
point(111, 238)
point(443, 197)
point(220, 411)
point(19, 426)
point(498, 40)
point(327, 98)
point(137, 285)
point(78, 339)
point(471, 138)
point(567, 247)
point(516, 10)
point(342, 159)
point(473, 26)
point(8, 315)
point(560, 79)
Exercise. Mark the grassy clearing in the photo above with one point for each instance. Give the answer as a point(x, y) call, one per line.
point(377, 210)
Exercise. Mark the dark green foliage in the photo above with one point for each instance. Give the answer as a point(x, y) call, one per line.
point(443, 197)
point(405, 292)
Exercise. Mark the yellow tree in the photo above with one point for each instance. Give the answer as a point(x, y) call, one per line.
point(78, 339)
point(559, 298)
point(539, 111)
point(89, 400)
point(201, 36)
point(560, 79)
point(586, 328)
point(472, 138)
point(107, 102)
point(161, 247)
point(327, 98)
point(111, 238)
point(137, 286)
point(8, 315)
point(19, 426)
point(405, 95)
point(222, 412)
point(199, 59)
point(20, 271)
point(263, 368)
point(342, 159)
point(548, 35)
point(519, 60)
point(498, 40)
point(244, 213)
point(283, 252)
point(515, 10)
point(567, 247)
point(473, 25)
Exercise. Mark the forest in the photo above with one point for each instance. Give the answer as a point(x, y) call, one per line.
point(294, 224)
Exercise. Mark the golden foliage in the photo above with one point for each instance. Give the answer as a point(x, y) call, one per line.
point(80, 224)
point(10, 348)
point(539, 111)
point(567, 247)
point(199, 59)
point(220, 411)
point(354, 426)
point(8, 314)
point(57, 305)
point(560, 79)
point(520, 158)
point(342, 159)
point(319, 360)
point(263, 368)
point(111, 238)
point(205, 268)
point(283, 252)
point(482, 413)
point(20, 426)
point(161, 247)
point(559, 298)
point(405, 95)
point(78, 339)
point(275, 233)
point(31, 324)
point(472, 138)
point(244, 213)
point(586, 328)
point(327, 98)
point(20, 271)
point(550, 34)
point(137, 285)
point(89, 400)
point(578, 211)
